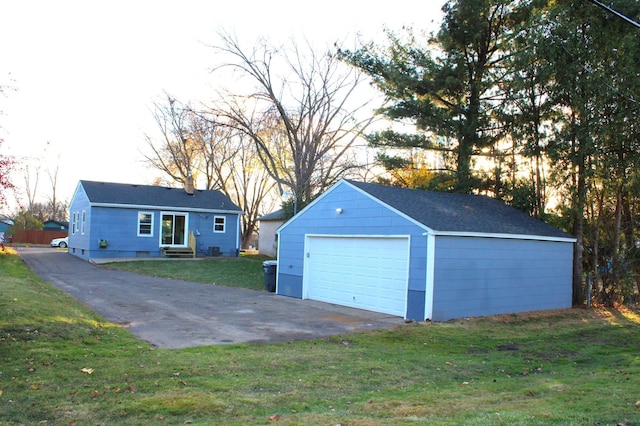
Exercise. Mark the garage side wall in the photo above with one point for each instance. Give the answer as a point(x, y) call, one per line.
point(486, 276)
point(360, 215)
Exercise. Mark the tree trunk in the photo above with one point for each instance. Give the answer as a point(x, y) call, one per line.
point(579, 295)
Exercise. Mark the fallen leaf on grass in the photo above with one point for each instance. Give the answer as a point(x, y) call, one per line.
point(275, 417)
point(87, 370)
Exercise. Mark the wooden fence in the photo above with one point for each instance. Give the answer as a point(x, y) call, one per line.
point(35, 237)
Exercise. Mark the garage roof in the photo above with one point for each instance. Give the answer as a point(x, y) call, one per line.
point(464, 213)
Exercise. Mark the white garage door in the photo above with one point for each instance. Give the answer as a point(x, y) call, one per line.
point(360, 272)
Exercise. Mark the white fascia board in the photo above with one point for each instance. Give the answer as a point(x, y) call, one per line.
point(503, 236)
point(398, 212)
point(164, 208)
point(311, 204)
point(363, 236)
point(75, 193)
point(366, 194)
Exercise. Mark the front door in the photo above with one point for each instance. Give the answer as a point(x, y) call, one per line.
point(174, 229)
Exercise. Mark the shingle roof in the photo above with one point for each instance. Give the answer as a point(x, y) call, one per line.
point(447, 212)
point(276, 215)
point(146, 195)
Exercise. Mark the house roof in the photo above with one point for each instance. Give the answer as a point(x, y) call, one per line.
point(276, 215)
point(119, 194)
point(464, 213)
point(56, 223)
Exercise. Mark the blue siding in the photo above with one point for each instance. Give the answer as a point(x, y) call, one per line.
point(360, 216)
point(485, 276)
point(78, 241)
point(120, 227)
point(472, 275)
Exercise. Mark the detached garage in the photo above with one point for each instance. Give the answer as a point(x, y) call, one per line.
point(422, 255)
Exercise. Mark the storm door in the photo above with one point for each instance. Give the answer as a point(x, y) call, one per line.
point(174, 229)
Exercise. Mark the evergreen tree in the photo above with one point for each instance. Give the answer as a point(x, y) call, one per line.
point(450, 96)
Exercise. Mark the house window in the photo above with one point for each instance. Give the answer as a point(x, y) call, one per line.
point(219, 223)
point(145, 224)
point(76, 219)
point(83, 222)
point(174, 229)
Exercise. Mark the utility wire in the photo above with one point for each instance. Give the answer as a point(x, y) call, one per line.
point(615, 12)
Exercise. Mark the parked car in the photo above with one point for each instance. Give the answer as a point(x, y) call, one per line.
point(60, 242)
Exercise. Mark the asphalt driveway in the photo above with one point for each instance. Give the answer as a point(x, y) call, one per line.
point(177, 314)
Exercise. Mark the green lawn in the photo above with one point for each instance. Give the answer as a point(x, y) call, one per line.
point(244, 271)
point(62, 364)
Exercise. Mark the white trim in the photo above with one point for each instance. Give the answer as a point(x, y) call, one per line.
point(224, 224)
point(430, 278)
point(393, 209)
point(366, 194)
point(278, 263)
point(503, 236)
point(186, 228)
point(164, 208)
point(151, 225)
point(428, 229)
point(359, 235)
point(238, 230)
point(305, 263)
point(83, 222)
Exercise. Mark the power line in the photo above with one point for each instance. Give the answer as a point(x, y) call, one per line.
point(615, 12)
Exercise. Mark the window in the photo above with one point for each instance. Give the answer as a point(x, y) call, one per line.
point(145, 224)
point(174, 229)
point(84, 221)
point(76, 219)
point(219, 223)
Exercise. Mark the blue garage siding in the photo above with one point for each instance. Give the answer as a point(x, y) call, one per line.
point(485, 276)
point(360, 216)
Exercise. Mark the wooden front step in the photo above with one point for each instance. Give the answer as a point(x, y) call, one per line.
point(177, 252)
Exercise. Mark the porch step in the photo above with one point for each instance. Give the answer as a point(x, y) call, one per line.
point(177, 252)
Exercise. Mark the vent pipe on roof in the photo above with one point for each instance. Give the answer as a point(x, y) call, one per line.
point(188, 184)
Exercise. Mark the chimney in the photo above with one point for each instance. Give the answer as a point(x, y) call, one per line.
point(188, 184)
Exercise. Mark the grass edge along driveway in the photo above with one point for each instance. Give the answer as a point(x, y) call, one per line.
point(63, 364)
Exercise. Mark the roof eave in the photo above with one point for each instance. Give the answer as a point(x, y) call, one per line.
point(157, 207)
point(503, 236)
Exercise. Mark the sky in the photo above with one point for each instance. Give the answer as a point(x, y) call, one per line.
point(86, 73)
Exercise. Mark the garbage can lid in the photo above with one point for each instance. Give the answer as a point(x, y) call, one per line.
point(270, 263)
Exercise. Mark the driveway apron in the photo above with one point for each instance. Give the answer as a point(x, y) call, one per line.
point(178, 314)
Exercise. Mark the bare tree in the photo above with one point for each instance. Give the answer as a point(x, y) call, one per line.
point(196, 142)
point(31, 174)
point(245, 181)
point(175, 154)
point(308, 103)
point(57, 209)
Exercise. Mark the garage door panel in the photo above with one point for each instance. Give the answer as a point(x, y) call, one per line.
point(365, 273)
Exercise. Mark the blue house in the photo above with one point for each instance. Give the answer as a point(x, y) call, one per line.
point(114, 220)
point(422, 255)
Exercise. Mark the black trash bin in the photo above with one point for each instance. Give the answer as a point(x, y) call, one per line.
point(270, 267)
